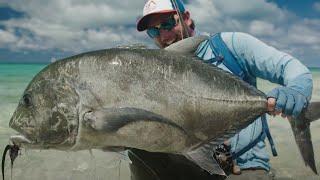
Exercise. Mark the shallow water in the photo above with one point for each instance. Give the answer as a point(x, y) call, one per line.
point(83, 165)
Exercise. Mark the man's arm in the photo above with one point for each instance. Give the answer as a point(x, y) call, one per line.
point(261, 60)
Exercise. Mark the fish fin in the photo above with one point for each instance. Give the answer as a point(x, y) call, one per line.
point(203, 157)
point(113, 149)
point(188, 45)
point(112, 119)
point(133, 46)
point(313, 111)
point(302, 135)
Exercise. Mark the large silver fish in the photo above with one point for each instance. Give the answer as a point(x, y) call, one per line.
point(149, 99)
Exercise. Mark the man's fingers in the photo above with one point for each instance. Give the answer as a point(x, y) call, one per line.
point(235, 168)
point(273, 93)
point(271, 104)
point(281, 101)
point(277, 112)
point(283, 115)
point(298, 106)
point(289, 106)
point(287, 101)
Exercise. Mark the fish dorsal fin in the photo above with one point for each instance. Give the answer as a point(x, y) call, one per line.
point(133, 46)
point(203, 157)
point(188, 45)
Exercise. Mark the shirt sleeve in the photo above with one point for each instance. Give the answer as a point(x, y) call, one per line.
point(263, 61)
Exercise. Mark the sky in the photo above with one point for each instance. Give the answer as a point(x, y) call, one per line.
point(45, 30)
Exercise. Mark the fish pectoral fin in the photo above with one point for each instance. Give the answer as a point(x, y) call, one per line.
point(112, 119)
point(203, 157)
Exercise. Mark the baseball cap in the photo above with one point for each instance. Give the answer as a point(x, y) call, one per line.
point(158, 7)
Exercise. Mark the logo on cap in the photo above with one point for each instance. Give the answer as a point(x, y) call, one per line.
point(151, 5)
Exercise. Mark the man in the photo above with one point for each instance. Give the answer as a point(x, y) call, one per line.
point(166, 22)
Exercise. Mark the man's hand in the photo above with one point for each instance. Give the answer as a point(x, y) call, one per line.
point(286, 101)
point(223, 155)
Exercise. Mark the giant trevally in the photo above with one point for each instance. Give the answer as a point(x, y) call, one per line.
point(149, 99)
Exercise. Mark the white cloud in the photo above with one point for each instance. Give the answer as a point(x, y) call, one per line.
point(265, 20)
point(261, 28)
point(82, 25)
point(75, 26)
point(202, 10)
point(255, 9)
point(316, 6)
point(230, 15)
point(81, 13)
point(6, 37)
point(304, 34)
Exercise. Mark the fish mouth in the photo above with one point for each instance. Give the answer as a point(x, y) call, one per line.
point(24, 142)
point(20, 140)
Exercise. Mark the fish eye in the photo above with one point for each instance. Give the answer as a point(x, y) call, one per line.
point(27, 100)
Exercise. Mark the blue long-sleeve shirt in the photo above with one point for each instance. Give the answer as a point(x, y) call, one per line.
point(257, 59)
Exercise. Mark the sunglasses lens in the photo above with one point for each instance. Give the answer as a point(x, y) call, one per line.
point(153, 32)
point(168, 25)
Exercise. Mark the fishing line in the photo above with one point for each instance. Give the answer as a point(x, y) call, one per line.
point(184, 32)
point(119, 170)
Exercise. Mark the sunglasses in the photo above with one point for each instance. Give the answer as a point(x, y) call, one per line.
point(154, 32)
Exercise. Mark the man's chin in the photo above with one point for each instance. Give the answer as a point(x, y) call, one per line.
point(165, 44)
point(171, 42)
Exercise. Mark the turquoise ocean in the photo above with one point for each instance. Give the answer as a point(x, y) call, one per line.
point(96, 165)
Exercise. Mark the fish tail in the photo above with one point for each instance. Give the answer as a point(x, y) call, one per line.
point(312, 113)
point(301, 130)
